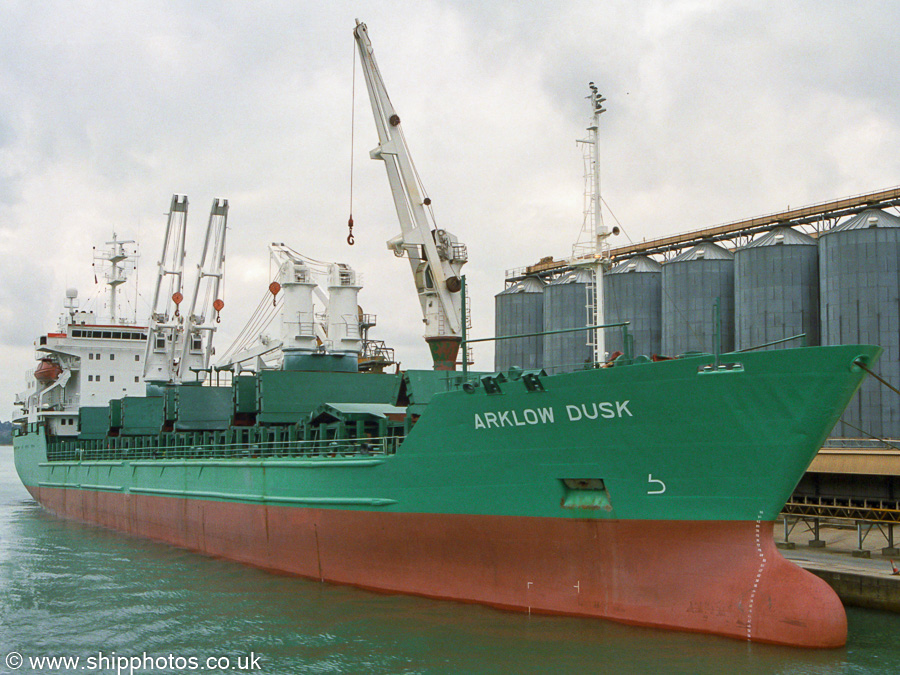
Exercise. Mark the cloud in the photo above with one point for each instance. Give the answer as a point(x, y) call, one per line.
point(716, 111)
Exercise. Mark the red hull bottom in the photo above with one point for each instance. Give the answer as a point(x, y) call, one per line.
point(719, 577)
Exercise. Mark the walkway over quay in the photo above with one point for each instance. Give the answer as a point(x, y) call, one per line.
point(859, 582)
point(867, 469)
point(812, 219)
point(848, 542)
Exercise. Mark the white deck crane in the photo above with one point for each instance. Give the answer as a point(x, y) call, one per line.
point(197, 349)
point(301, 333)
point(306, 337)
point(435, 256)
point(166, 328)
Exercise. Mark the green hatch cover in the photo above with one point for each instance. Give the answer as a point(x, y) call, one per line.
point(93, 423)
point(142, 415)
point(287, 397)
point(244, 387)
point(203, 408)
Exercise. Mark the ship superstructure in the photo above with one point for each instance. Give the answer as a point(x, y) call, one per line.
point(89, 359)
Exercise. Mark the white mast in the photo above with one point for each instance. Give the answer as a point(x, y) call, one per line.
point(435, 256)
point(117, 262)
point(591, 247)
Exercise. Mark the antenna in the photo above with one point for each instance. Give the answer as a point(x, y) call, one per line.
point(117, 262)
point(591, 245)
point(593, 233)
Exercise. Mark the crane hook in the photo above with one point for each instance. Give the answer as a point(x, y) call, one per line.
point(274, 287)
point(350, 239)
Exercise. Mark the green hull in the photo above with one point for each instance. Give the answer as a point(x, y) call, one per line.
point(642, 493)
point(654, 441)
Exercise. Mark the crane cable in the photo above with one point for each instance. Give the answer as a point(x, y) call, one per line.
point(261, 318)
point(350, 239)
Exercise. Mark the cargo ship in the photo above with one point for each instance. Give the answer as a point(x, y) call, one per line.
point(641, 491)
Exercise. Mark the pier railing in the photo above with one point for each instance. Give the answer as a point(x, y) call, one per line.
point(846, 508)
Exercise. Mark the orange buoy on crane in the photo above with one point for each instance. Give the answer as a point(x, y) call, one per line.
point(274, 287)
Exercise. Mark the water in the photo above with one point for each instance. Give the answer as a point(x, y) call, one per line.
point(73, 590)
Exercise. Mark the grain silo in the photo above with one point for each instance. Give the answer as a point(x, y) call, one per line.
point(776, 290)
point(633, 292)
point(859, 282)
point(692, 282)
point(519, 310)
point(566, 301)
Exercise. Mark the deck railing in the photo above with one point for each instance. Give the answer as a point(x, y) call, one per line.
point(143, 448)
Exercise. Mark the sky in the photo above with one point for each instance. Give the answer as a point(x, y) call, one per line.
point(717, 110)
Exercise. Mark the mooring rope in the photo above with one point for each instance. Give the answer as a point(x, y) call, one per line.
point(877, 377)
point(887, 384)
point(870, 435)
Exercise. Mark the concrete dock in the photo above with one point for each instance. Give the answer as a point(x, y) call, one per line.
point(861, 577)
